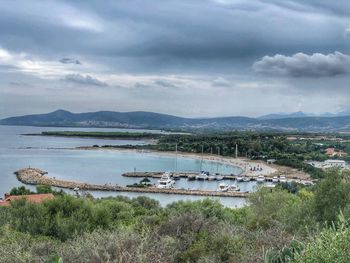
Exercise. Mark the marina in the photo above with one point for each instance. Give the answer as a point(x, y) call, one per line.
point(190, 176)
point(34, 176)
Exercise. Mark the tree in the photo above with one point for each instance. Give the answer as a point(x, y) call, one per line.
point(331, 196)
point(43, 189)
point(21, 190)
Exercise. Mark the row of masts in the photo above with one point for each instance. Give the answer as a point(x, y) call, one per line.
point(201, 162)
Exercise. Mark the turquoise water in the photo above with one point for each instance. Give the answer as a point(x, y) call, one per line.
point(96, 166)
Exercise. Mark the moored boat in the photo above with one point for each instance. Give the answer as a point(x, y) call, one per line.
point(246, 179)
point(283, 179)
point(191, 178)
point(223, 187)
point(234, 188)
point(219, 177)
point(211, 178)
point(275, 179)
point(165, 182)
point(176, 176)
point(202, 176)
point(260, 179)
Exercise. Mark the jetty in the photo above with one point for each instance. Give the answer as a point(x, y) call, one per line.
point(34, 176)
point(159, 175)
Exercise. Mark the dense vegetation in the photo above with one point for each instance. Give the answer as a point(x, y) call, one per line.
point(254, 146)
point(308, 225)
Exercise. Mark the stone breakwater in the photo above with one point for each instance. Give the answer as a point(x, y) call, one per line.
point(35, 176)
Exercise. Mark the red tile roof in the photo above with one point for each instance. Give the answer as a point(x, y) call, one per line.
point(34, 198)
point(330, 151)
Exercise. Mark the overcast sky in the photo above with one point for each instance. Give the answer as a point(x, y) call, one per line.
point(183, 57)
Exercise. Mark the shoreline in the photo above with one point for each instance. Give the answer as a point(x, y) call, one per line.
point(242, 163)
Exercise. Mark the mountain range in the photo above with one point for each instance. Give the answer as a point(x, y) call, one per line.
point(298, 121)
point(300, 114)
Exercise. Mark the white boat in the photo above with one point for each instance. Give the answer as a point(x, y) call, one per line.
point(202, 176)
point(246, 179)
point(234, 188)
point(260, 179)
point(219, 177)
point(239, 178)
point(283, 179)
point(211, 178)
point(275, 179)
point(165, 182)
point(223, 187)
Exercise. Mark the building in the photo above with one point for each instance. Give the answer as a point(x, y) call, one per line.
point(333, 152)
point(34, 198)
point(334, 163)
point(271, 161)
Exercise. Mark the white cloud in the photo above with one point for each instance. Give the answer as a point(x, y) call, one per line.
point(303, 65)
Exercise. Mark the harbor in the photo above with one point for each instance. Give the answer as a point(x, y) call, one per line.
point(34, 176)
point(241, 177)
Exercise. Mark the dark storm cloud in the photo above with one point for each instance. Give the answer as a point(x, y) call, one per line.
point(146, 35)
point(70, 61)
point(303, 65)
point(85, 80)
point(172, 54)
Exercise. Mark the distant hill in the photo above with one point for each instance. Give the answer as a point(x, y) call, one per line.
point(298, 114)
point(140, 119)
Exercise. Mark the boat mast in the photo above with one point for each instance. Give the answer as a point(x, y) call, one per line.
point(217, 163)
point(200, 170)
point(175, 158)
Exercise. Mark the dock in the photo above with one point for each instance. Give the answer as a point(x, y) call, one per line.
point(34, 176)
point(157, 175)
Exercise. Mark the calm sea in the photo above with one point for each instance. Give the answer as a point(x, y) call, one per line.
point(97, 166)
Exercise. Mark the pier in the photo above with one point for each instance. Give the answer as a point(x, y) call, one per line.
point(157, 175)
point(33, 176)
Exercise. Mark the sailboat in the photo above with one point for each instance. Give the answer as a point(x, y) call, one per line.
point(202, 174)
point(176, 176)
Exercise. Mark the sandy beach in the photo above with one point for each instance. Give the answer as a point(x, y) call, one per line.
point(261, 167)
